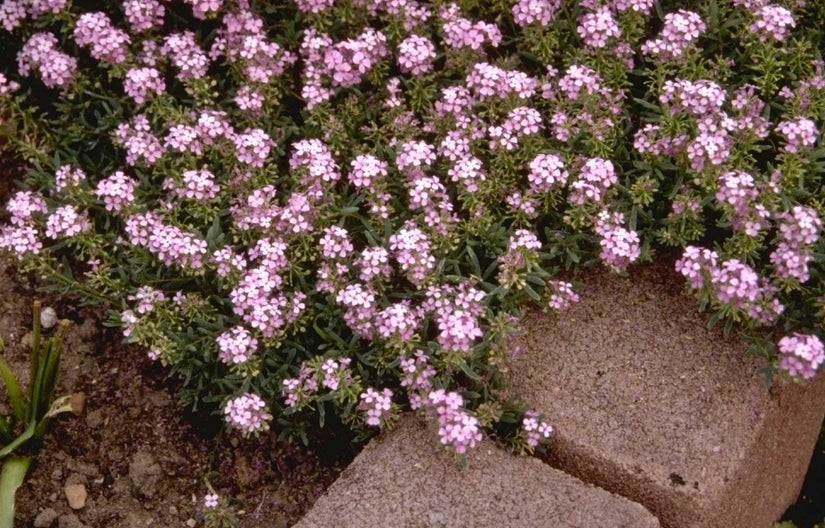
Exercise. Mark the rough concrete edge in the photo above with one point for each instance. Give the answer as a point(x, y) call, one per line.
point(786, 440)
point(791, 429)
point(352, 472)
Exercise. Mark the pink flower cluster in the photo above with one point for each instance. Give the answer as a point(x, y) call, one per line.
point(521, 121)
point(313, 6)
point(331, 373)
point(312, 160)
point(411, 248)
point(144, 15)
point(183, 138)
point(117, 191)
point(252, 147)
point(680, 31)
point(457, 311)
point(184, 52)
point(142, 83)
point(22, 237)
point(7, 86)
point(535, 429)
point(170, 244)
point(376, 405)
point(24, 205)
point(247, 413)
point(733, 283)
point(243, 41)
point(142, 147)
point(335, 243)
point(67, 221)
point(583, 103)
point(563, 295)
point(798, 231)
point(201, 8)
point(620, 246)
point(457, 429)
point(597, 28)
point(66, 176)
point(546, 171)
point(527, 12)
point(772, 22)
point(596, 176)
point(799, 134)
point(460, 32)
point(106, 43)
point(521, 256)
point(14, 12)
point(487, 81)
point(146, 298)
point(697, 98)
point(416, 55)
point(40, 53)
point(801, 354)
point(236, 345)
point(195, 185)
point(226, 262)
point(345, 62)
point(360, 306)
point(374, 263)
point(418, 376)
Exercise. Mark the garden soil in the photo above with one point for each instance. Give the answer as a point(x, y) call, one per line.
point(134, 457)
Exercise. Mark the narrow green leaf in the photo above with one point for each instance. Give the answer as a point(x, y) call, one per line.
point(13, 390)
point(531, 292)
point(474, 261)
point(467, 370)
point(34, 358)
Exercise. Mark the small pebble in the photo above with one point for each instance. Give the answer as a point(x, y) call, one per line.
point(48, 317)
point(76, 495)
point(191, 523)
point(45, 518)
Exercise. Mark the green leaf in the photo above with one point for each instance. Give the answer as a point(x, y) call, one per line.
point(468, 371)
point(531, 292)
point(11, 477)
point(5, 430)
point(474, 261)
point(13, 390)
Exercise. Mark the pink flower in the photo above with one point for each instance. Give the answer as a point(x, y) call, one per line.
point(247, 413)
point(415, 55)
point(526, 12)
point(801, 354)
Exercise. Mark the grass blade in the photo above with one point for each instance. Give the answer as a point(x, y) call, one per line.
point(34, 360)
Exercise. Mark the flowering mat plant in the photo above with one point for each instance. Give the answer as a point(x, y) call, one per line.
point(313, 207)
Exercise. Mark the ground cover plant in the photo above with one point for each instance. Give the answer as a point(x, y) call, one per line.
point(311, 207)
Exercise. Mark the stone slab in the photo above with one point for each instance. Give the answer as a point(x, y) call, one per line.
point(404, 479)
point(649, 404)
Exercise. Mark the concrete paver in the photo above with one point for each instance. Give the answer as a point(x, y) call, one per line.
point(649, 404)
point(404, 479)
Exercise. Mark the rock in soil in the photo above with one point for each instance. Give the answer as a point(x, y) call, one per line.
point(145, 474)
point(76, 495)
point(45, 518)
